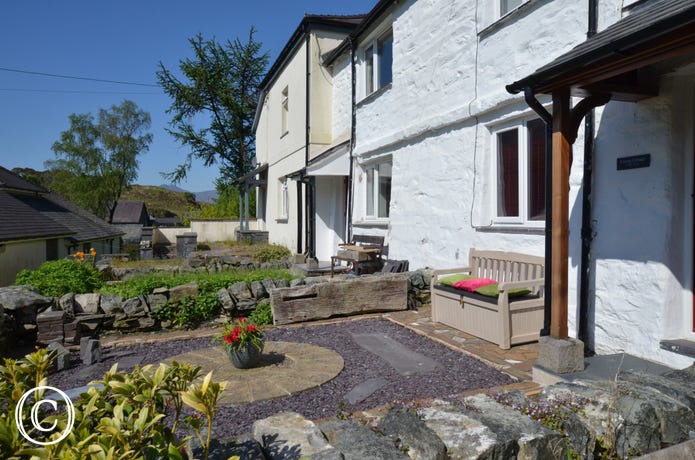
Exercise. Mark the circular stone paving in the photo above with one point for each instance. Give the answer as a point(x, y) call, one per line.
point(286, 368)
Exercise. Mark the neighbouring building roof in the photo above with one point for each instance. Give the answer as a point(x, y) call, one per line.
point(130, 212)
point(12, 181)
point(28, 211)
point(618, 41)
point(369, 19)
point(19, 221)
point(329, 22)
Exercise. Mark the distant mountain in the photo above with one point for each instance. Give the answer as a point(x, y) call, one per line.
point(172, 187)
point(208, 196)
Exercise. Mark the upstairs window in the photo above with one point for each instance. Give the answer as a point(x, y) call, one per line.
point(378, 190)
point(520, 173)
point(285, 109)
point(378, 63)
point(508, 5)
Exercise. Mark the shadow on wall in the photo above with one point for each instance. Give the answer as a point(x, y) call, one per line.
point(637, 213)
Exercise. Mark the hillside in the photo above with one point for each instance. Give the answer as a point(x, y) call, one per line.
point(160, 201)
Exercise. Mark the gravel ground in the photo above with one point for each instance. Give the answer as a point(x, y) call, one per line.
point(455, 372)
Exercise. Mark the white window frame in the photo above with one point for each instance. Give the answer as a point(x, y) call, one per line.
point(522, 220)
point(373, 43)
point(284, 111)
point(284, 201)
point(500, 13)
point(374, 168)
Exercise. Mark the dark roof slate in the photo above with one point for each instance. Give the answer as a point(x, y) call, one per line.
point(19, 221)
point(128, 212)
point(85, 226)
point(12, 181)
point(652, 21)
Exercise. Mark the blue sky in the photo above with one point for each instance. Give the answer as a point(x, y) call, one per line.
point(122, 40)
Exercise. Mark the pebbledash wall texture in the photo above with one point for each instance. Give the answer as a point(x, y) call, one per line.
point(437, 123)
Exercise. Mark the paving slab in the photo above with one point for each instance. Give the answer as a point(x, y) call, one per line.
point(286, 368)
point(364, 390)
point(400, 357)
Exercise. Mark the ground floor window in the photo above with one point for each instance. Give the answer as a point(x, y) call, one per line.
point(283, 199)
point(520, 172)
point(378, 190)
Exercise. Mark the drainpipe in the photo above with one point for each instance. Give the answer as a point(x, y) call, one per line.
point(537, 107)
point(587, 233)
point(309, 191)
point(353, 130)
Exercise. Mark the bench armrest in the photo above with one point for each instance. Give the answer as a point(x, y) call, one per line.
point(531, 284)
point(449, 271)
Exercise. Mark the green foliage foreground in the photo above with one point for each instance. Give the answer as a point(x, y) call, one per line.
point(58, 277)
point(127, 416)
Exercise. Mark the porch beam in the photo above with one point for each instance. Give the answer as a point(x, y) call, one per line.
point(566, 123)
point(562, 152)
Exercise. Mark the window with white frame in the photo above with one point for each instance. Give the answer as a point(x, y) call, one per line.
point(285, 109)
point(283, 200)
point(508, 5)
point(378, 190)
point(378, 62)
point(520, 173)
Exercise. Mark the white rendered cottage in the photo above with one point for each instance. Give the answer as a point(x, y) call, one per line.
point(301, 146)
point(446, 159)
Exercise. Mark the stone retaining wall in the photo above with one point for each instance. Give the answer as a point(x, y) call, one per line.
point(28, 316)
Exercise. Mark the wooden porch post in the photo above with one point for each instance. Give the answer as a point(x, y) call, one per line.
point(562, 157)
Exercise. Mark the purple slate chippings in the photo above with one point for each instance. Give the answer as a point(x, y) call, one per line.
point(455, 372)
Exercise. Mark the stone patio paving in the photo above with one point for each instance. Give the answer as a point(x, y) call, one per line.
point(286, 368)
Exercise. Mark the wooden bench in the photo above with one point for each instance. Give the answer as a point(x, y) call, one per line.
point(364, 253)
point(500, 320)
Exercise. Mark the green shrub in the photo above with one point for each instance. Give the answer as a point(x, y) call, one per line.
point(58, 277)
point(262, 315)
point(208, 282)
point(190, 311)
point(271, 252)
point(126, 417)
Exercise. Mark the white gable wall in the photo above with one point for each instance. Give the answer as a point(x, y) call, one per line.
point(436, 120)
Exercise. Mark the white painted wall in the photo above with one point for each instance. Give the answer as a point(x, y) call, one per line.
point(208, 231)
point(330, 215)
point(15, 257)
point(436, 121)
point(341, 106)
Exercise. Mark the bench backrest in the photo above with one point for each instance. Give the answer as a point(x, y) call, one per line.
point(369, 241)
point(505, 266)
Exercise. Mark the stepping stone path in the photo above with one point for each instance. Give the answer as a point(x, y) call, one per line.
point(364, 390)
point(400, 357)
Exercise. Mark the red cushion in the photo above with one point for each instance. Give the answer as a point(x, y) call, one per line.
point(472, 284)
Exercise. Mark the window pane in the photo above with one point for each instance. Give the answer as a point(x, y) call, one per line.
point(384, 189)
point(370, 192)
point(536, 169)
point(508, 174)
point(385, 52)
point(508, 5)
point(369, 69)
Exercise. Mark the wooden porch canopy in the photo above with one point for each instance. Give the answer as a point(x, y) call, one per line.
point(622, 63)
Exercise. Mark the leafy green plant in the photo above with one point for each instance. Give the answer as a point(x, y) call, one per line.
point(203, 398)
point(189, 311)
point(126, 416)
point(262, 315)
point(212, 282)
point(56, 278)
point(271, 252)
